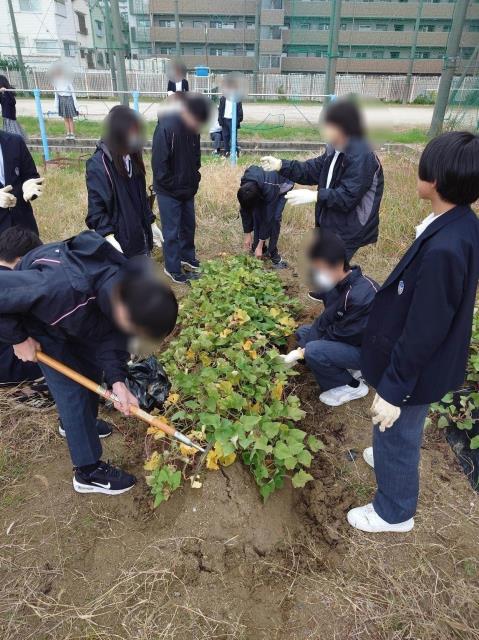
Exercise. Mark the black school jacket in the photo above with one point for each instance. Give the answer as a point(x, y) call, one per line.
point(118, 204)
point(172, 85)
point(63, 290)
point(350, 205)
point(416, 343)
point(19, 167)
point(8, 103)
point(346, 309)
point(176, 158)
point(221, 112)
point(273, 188)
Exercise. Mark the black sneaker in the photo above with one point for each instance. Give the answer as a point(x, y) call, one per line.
point(104, 479)
point(314, 295)
point(191, 265)
point(104, 429)
point(279, 263)
point(179, 278)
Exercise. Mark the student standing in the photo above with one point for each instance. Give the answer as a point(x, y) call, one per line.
point(9, 108)
point(65, 100)
point(79, 301)
point(176, 162)
point(416, 343)
point(225, 114)
point(20, 183)
point(118, 204)
point(348, 176)
point(262, 199)
point(178, 82)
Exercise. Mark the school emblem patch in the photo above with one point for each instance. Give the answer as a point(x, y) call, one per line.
point(400, 287)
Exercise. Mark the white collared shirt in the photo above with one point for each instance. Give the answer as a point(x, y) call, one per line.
point(128, 165)
point(2, 168)
point(331, 168)
point(228, 109)
point(179, 85)
point(422, 226)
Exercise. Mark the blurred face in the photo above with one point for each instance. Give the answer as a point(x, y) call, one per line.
point(190, 121)
point(425, 190)
point(334, 136)
point(122, 318)
point(325, 276)
point(135, 140)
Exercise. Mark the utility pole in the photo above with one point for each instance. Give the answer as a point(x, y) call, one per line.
point(257, 43)
point(334, 23)
point(109, 43)
point(120, 51)
point(412, 55)
point(21, 64)
point(449, 66)
point(177, 28)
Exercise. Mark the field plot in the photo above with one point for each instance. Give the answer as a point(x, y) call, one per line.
point(218, 563)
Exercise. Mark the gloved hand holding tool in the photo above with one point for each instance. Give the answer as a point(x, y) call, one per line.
point(157, 235)
point(384, 414)
point(32, 189)
point(291, 358)
point(7, 199)
point(270, 163)
point(298, 197)
point(109, 395)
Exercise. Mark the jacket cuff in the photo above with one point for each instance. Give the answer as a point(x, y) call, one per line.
point(392, 393)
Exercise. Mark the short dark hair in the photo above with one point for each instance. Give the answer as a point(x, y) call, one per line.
point(248, 195)
point(16, 242)
point(152, 305)
point(329, 247)
point(199, 106)
point(345, 115)
point(452, 161)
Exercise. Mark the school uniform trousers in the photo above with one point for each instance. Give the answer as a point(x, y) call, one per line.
point(178, 225)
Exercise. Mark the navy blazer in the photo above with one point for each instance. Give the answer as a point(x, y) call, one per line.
point(18, 166)
point(172, 85)
point(416, 343)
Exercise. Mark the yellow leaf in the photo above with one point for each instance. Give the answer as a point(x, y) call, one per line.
point(253, 354)
point(225, 461)
point(173, 398)
point(212, 460)
point(277, 391)
point(153, 462)
point(205, 359)
point(187, 451)
point(155, 431)
point(225, 333)
point(274, 312)
point(255, 408)
point(225, 387)
point(239, 317)
point(247, 344)
point(190, 355)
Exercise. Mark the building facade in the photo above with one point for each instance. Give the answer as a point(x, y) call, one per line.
point(375, 36)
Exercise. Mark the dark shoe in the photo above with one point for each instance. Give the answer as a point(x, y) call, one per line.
point(179, 278)
point(191, 265)
point(104, 429)
point(314, 295)
point(192, 276)
point(104, 479)
point(279, 263)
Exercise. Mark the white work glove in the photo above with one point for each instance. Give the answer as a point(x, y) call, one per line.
point(7, 199)
point(301, 196)
point(114, 243)
point(383, 413)
point(157, 235)
point(291, 358)
point(270, 163)
point(32, 189)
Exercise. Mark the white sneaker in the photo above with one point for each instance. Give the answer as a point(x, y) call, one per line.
point(368, 456)
point(366, 519)
point(356, 373)
point(340, 395)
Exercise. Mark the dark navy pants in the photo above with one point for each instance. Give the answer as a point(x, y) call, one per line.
point(275, 231)
point(227, 135)
point(217, 140)
point(396, 464)
point(329, 360)
point(77, 407)
point(178, 225)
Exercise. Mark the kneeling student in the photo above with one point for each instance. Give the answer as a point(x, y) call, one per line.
point(80, 301)
point(261, 198)
point(417, 339)
point(331, 345)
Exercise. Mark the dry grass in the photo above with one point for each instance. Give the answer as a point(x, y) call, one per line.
point(75, 568)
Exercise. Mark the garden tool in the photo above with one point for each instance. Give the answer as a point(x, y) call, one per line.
point(109, 395)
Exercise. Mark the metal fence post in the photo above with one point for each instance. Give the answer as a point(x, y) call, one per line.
point(234, 116)
point(41, 124)
point(136, 97)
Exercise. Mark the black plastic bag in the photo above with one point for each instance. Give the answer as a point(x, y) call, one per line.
point(148, 381)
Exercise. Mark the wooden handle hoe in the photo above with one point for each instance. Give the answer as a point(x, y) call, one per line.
point(109, 395)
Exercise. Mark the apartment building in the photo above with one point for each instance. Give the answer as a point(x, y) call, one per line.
point(375, 36)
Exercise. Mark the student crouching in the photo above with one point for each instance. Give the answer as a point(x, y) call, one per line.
point(118, 203)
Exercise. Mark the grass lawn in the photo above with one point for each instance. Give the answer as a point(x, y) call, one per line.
point(215, 563)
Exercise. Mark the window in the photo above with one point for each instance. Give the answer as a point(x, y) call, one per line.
point(394, 55)
point(382, 26)
point(446, 27)
point(46, 45)
point(30, 5)
point(99, 28)
point(365, 26)
point(198, 51)
point(361, 54)
point(250, 24)
point(398, 27)
point(69, 49)
point(269, 62)
point(323, 26)
point(474, 26)
point(429, 28)
point(229, 25)
point(82, 28)
point(378, 55)
point(199, 24)
point(168, 24)
point(143, 22)
point(305, 26)
point(60, 8)
point(422, 55)
point(216, 24)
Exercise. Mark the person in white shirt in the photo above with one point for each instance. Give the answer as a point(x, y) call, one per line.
point(65, 99)
point(228, 101)
point(177, 82)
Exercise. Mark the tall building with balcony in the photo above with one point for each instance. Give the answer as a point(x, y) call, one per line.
point(376, 36)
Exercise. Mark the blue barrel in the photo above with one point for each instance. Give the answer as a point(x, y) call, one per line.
point(202, 72)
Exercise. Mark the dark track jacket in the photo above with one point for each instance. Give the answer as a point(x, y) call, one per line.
point(417, 339)
point(118, 204)
point(172, 85)
point(63, 290)
point(350, 206)
point(19, 167)
point(221, 112)
point(273, 187)
point(8, 103)
point(346, 309)
point(176, 158)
